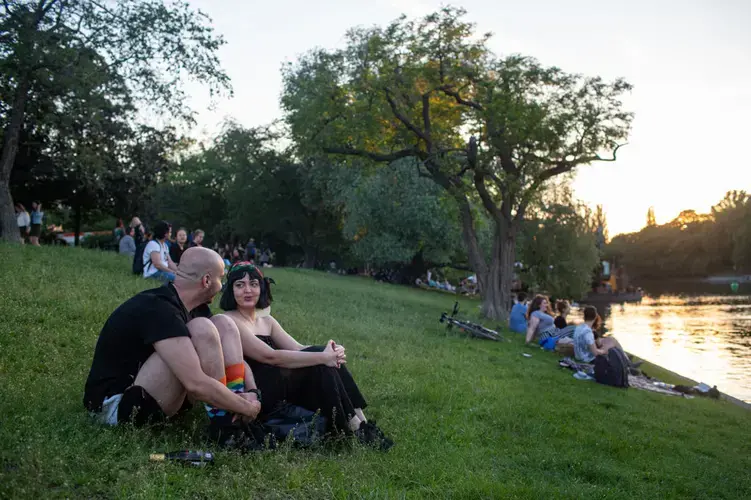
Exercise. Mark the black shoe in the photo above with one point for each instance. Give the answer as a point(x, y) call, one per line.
point(370, 435)
point(238, 435)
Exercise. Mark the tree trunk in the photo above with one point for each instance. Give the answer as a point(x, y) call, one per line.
point(469, 236)
point(496, 297)
point(8, 226)
point(77, 224)
point(310, 258)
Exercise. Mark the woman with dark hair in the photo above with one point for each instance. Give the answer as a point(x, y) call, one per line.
point(540, 321)
point(313, 377)
point(563, 308)
point(157, 263)
point(36, 223)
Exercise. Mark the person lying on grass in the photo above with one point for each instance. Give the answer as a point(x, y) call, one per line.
point(313, 377)
point(163, 345)
point(540, 321)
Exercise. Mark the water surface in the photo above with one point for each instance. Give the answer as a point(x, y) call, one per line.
point(703, 336)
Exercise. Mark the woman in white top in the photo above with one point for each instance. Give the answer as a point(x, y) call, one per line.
point(24, 221)
point(157, 263)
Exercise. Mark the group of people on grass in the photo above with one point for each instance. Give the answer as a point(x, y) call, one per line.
point(163, 349)
point(538, 320)
point(157, 254)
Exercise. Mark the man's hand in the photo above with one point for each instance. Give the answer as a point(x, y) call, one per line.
point(255, 406)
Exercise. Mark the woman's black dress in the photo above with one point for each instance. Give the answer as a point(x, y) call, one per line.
point(320, 387)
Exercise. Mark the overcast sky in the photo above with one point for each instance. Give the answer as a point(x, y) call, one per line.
point(689, 62)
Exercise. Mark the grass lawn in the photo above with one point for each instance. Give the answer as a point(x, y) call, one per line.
point(470, 418)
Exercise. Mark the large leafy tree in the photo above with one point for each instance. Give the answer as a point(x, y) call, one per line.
point(394, 214)
point(54, 48)
point(558, 250)
point(276, 197)
point(479, 126)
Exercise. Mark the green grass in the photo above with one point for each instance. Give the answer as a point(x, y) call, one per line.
point(471, 418)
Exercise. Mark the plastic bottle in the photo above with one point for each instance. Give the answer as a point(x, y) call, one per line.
point(188, 457)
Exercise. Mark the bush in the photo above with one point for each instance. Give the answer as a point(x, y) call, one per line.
point(100, 241)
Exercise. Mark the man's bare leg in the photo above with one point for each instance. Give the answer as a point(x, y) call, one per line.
point(239, 376)
point(205, 339)
point(159, 381)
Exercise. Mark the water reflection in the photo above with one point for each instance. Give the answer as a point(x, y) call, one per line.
point(704, 337)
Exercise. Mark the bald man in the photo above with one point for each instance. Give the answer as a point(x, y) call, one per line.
point(163, 345)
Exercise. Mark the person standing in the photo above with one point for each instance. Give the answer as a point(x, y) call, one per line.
point(139, 232)
point(24, 222)
point(37, 216)
point(251, 251)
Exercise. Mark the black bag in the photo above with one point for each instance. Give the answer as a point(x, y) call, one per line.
point(305, 427)
point(138, 258)
point(612, 368)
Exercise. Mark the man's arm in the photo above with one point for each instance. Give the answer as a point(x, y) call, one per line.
point(596, 350)
point(156, 261)
point(181, 358)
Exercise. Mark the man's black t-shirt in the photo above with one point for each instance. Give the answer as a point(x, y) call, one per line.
point(127, 338)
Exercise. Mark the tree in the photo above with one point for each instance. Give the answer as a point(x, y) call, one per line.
point(565, 272)
point(651, 221)
point(394, 214)
point(479, 126)
point(152, 45)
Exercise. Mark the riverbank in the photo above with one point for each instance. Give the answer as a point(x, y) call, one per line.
point(470, 418)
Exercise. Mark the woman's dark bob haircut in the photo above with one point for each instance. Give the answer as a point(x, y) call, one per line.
point(237, 272)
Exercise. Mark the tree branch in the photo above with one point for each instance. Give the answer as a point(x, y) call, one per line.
point(426, 121)
point(561, 167)
point(379, 157)
point(487, 200)
point(402, 118)
point(448, 90)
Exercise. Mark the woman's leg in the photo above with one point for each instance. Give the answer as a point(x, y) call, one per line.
point(350, 387)
point(320, 388)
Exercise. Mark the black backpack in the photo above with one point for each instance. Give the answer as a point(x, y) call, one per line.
point(138, 258)
point(612, 368)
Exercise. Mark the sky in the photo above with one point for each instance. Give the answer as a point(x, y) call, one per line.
point(689, 62)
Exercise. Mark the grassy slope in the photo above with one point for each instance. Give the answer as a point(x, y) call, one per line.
point(470, 418)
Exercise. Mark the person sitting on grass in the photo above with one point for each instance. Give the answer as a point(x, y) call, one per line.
point(313, 377)
point(563, 308)
point(127, 245)
point(163, 345)
point(177, 249)
point(588, 344)
point(157, 263)
point(518, 316)
point(541, 324)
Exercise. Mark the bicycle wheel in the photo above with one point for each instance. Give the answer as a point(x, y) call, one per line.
point(477, 330)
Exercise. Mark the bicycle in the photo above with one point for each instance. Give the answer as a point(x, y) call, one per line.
point(472, 329)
